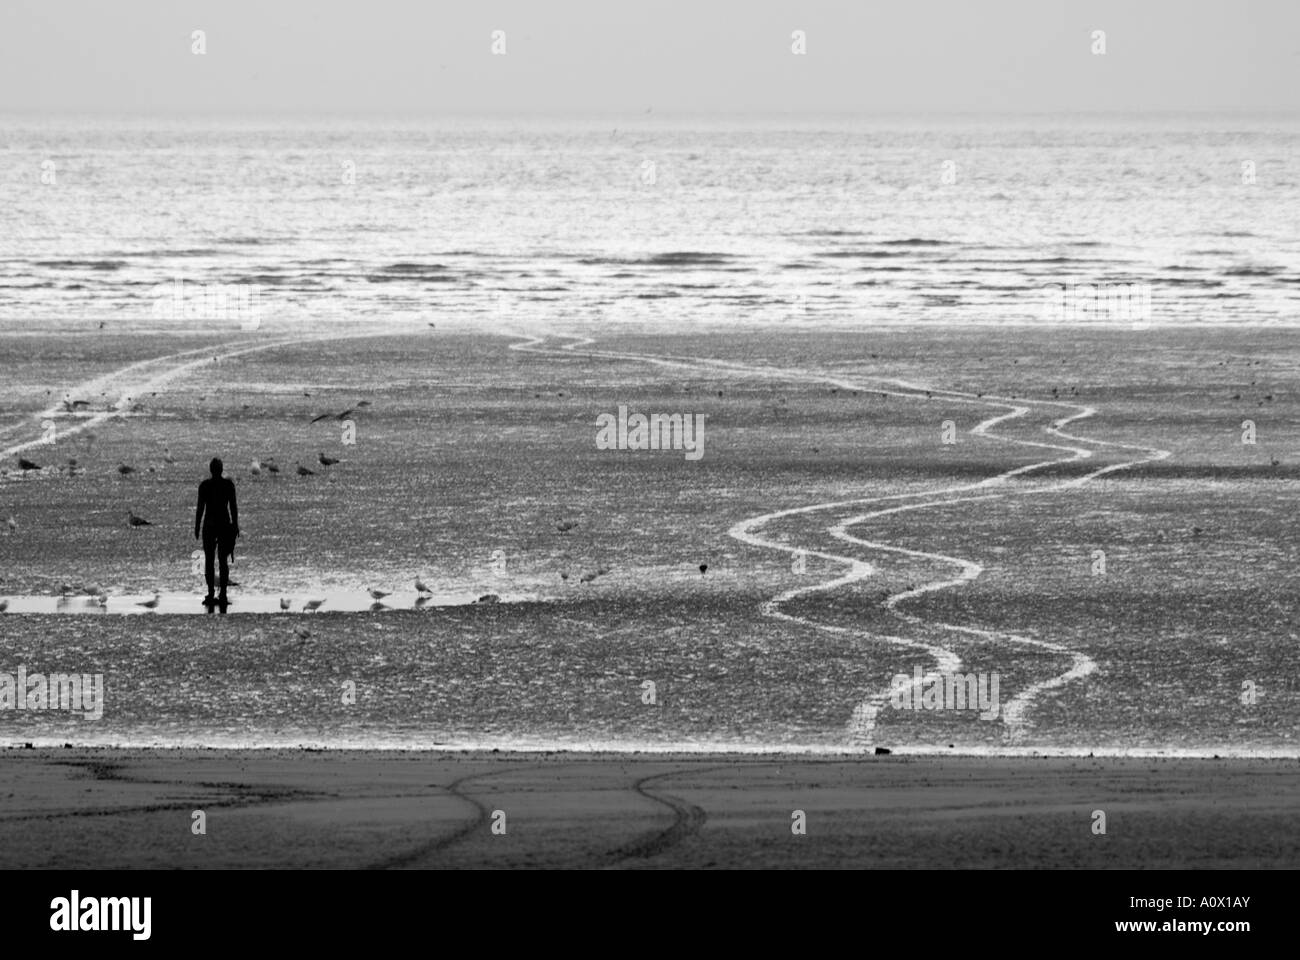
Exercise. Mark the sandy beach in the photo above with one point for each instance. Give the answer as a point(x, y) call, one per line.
point(105, 809)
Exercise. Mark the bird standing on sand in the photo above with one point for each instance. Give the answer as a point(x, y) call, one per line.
point(312, 605)
point(302, 633)
point(151, 604)
point(379, 594)
point(326, 461)
point(420, 587)
point(133, 521)
point(256, 469)
point(284, 603)
point(304, 472)
point(272, 466)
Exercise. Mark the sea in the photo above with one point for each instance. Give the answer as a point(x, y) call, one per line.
point(667, 221)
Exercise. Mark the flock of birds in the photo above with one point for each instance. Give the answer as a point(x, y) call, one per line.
point(269, 466)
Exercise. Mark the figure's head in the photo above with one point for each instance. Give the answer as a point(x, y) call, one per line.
point(215, 466)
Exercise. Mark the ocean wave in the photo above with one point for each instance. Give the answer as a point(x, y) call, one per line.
point(1258, 271)
point(181, 252)
point(421, 277)
point(918, 242)
point(82, 264)
point(406, 267)
point(682, 258)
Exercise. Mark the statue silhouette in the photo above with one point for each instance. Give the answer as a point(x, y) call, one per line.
point(217, 515)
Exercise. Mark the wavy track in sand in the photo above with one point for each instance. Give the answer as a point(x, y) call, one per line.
point(862, 723)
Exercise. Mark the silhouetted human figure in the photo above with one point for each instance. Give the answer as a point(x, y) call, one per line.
point(218, 516)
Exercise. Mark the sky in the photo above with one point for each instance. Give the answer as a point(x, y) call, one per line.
point(623, 56)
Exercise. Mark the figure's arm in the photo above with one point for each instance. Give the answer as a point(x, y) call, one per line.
point(234, 508)
point(198, 513)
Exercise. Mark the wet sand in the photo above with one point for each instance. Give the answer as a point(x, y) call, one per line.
point(336, 601)
point(111, 808)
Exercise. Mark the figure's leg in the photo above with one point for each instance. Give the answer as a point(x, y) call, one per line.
point(209, 553)
point(224, 550)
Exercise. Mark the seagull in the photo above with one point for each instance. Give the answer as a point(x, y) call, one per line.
point(284, 603)
point(304, 472)
point(256, 469)
point(312, 605)
point(66, 590)
point(302, 633)
point(151, 604)
point(326, 461)
point(133, 521)
point(420, 587)
point(564, 526)
point(379, 594)
point(102, 599)
point(272, 467)
point(123, 469)
point(26, 464)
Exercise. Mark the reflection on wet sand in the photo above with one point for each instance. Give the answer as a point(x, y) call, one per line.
point(343, 601)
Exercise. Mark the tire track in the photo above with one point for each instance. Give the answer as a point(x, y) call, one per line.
point(437, 845)
point(862, 722)
point(688, 819)
point(171, 367)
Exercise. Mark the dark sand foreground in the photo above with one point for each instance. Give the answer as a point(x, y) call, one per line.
point(78, 808)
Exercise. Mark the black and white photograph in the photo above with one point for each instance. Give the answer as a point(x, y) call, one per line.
point(583, 436)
